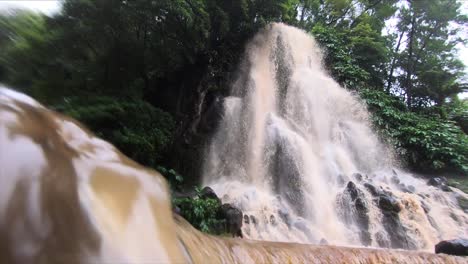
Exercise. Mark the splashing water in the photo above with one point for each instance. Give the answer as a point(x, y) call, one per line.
point(295, 152)
point(70, 197)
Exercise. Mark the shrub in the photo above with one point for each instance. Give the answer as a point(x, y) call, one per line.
point(138, 129)
point(202, 213)
point(426, 143)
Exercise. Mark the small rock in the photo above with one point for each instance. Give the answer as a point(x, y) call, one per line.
point(323, 241)
point(395, 180)
point(358, 177)
point(246, 219)
point(458, 247)
point(272, 220)
point(253, 220)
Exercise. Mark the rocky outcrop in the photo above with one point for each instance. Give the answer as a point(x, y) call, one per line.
point(458, 247)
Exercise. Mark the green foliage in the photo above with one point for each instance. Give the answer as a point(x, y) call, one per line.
point(138, 129)
point(175, 179)
point(202, 213)
point(338, 57)
point(426, 143)
point(170, 54)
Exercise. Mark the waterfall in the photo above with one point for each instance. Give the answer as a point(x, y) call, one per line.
point(70, 197)
point(296, 153)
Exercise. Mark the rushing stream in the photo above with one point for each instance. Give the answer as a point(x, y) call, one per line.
point(296, 153)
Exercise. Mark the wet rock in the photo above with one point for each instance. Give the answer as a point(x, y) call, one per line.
point(352, 189)
point(389, 204)
point(208, 193)
point(372, 189)
point(425, 207)
point(395, 180)
point(287, 178)
point(458, 247)
point(439, 182)
point(272, 220)
point(358, 176)
point(361, 215)
point(406, 189)
point(284, 215)
point(366, 238)
point(341, 179)
point(382, 240)
point(246, 219)
point(397, 232)
point(323, 241)
point(302, 226)
point(233, 218)
point(253, 220)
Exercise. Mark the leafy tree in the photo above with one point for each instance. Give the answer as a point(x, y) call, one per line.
point(428, 70)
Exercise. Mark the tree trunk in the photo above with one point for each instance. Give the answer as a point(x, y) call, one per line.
point(409, 71)
point(392, 65)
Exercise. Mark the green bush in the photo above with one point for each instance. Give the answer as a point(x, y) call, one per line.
point(338, 57)
point(202, 213)
point(138, 129)
point(426, 143)
point(175, 179)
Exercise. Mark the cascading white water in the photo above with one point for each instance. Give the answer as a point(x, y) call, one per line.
point(295, 152)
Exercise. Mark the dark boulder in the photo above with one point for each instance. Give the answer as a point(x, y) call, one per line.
point(389, 204)
point(208, 193)
point(439, 182)
point(233, 218)
point(458, 247)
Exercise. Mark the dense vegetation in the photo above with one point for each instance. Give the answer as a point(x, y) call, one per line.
point(145, 74)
